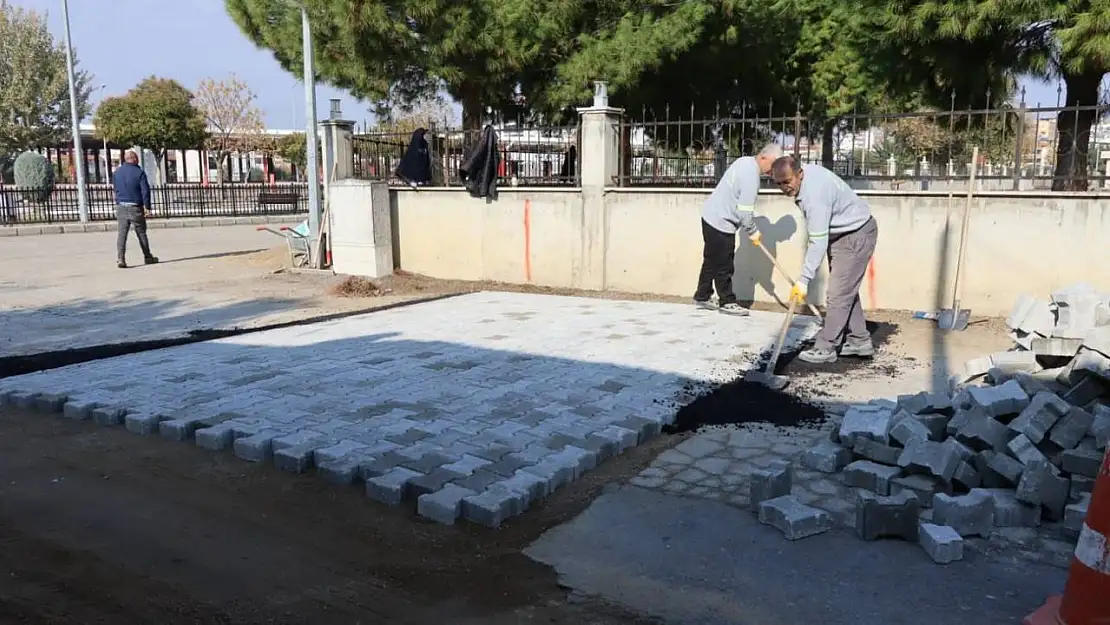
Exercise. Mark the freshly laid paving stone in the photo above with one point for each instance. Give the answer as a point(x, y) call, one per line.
point(477, 428)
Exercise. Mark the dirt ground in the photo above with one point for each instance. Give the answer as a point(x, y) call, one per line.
point(100, 526)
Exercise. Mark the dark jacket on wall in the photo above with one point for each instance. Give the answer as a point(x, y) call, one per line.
point(416, 165)
point(479, 171)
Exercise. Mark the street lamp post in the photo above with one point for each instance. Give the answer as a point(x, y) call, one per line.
point(107, 154)
point(78, 153)
point(310, 131)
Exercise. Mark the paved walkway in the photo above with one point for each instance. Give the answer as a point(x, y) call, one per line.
point(482, 402)
point(64, 291)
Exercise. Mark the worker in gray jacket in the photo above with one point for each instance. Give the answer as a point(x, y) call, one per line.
point(841, 227)
point(729, 208)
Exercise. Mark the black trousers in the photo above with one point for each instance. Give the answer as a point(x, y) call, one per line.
point(126, 217)
point(717, 263)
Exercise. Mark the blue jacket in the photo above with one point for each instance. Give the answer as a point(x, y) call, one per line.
point(131, 186)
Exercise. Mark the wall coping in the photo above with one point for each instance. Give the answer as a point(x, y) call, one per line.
point(1077, 195)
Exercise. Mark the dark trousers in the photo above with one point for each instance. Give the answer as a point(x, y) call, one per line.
point(849, 255)
point(717, 262)
point(126, 217)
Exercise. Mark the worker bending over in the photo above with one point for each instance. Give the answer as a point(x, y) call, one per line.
point(840, 226)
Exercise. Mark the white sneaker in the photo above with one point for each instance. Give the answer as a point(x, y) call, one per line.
point(732, 308)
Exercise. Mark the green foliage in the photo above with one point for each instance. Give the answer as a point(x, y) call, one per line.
point(293, 148)
point(158, 115)
point(34, 90)
point(34, 174)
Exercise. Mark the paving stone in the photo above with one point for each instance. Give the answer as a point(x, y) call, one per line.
point(966, 477)
point(1083, 461)
point(713, 465)
point(923, 487)
point(1014, 362)
point(22, 400)
point(1055, 347)
point(108, 415)
point(1041, 484)
point(529, 484)
point(494, 505)
point(1084, 392)
point(478, 481)
point(866, 422)
point(1100, 427)
point(294, 459)
point(925, 402)
point(970, 514)
point(1004, 466)
point(874, 450)
point(257, 447)
point(774, 481)
point(963, 451)
point(443, 506)
point(793, 518)
point(50, 403)
point(215, 438)
point(342, 471)
point(999, 401)
point(431, 482)
point(1080, 484)
point(871, 476)
point(1043, 411)
point(826, 457)
point(143, 423)
point(1011, 512)
point(937, 425)
point(924, 456)
point(943, 544)
point(907, 428)
point(1025, 451)
point(1071, 428)
point(78, 410)
point(699, 447)
point(886, 517)
point(983, 432)
point(963, 417)
point(1075, 515)
point(392, 487)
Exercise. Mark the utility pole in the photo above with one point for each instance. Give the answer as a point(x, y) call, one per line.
point(313, 172)
point(78, 153)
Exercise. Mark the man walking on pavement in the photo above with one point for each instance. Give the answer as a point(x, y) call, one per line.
point(730, 207)
point(841, 227)
point(132, 208)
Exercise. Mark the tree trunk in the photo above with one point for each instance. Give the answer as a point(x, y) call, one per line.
point(827, 153)
point(472, 109)
point(1074, 131)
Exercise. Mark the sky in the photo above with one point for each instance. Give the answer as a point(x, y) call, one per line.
point(122, 42)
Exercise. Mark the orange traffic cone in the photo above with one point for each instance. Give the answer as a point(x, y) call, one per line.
point(1084, 601)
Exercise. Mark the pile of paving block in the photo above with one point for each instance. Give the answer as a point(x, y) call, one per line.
point(1015, 441)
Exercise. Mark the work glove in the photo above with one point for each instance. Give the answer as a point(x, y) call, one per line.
point(756, 237)
point(798, 292)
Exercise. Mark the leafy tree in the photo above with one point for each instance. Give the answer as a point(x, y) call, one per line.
point(34, 90)
point(158, 114)
point(234, 121)
point(35, 175)
point(1066, 38)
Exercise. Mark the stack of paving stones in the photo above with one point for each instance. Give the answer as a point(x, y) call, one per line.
point(1016, 441)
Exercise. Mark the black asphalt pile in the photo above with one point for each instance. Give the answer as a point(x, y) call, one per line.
point(740, 401)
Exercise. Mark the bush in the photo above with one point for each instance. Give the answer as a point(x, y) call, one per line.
point(34, 174)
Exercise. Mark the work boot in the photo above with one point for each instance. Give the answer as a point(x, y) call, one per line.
point(150, 260)
point(818, 355)
point(122, 264)
point(704, 304)
point(862, 349)
point(734, 309)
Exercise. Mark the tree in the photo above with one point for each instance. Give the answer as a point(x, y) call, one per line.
point(158, 115)
point(34, 90)
point(1067, 38)
point(234, 122)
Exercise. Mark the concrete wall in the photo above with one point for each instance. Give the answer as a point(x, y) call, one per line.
point(650, 241)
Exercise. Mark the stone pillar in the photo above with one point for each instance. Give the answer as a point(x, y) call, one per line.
point(338, 162)
point(599, 154)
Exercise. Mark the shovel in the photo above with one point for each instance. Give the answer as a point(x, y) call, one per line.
point(767, 377)
point(956, 318)
point(774, 261)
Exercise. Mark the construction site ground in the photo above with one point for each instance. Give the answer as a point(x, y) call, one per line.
point(101, 526)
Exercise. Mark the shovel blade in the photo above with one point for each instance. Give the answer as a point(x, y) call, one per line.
point(949, 319)
point(770, 380)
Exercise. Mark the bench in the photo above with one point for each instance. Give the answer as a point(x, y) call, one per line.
point(272, 198)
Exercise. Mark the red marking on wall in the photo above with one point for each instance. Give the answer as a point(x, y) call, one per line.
point(528, 240)
point(871, 284)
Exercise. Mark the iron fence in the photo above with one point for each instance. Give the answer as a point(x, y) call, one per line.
point(32, 206)
point(1020, 147)
point(528, 155)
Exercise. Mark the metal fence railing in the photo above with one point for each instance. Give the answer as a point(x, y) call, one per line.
point(1020, 148)
point(32, 206)
point(529, 156)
